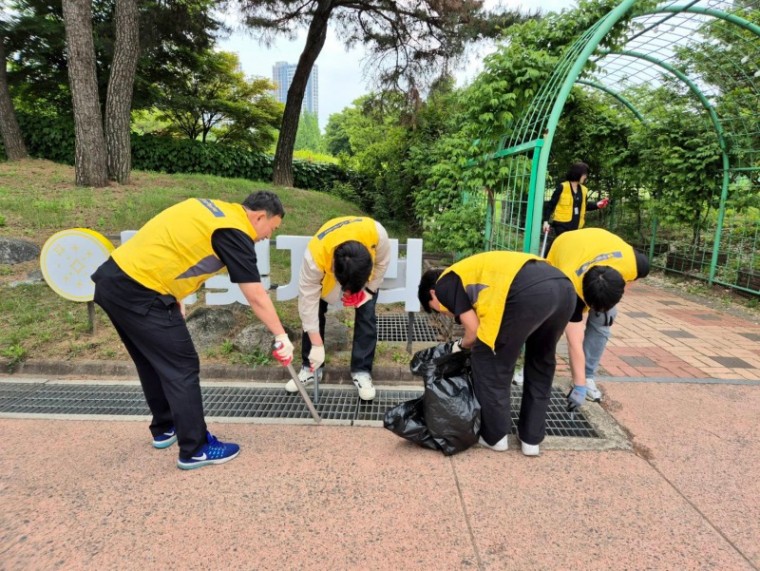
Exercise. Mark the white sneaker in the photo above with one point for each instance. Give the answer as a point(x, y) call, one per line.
point(500, 446)
point(529, 449)
point(592, 393)
point(517, 378)
point(363, 382)
point(306, 376)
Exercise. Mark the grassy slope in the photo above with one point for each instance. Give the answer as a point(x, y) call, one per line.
point(38, 198)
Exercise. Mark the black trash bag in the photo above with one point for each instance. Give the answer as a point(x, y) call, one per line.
point(447, 416)
point(424, 361)
point(451, 411)
point(406, 421)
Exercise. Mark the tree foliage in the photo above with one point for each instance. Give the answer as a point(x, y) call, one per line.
point(215, 98)
point(408, 43)
point(170, 35)
point(308, 138)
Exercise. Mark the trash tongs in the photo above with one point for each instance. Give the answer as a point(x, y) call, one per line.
point(302, 390)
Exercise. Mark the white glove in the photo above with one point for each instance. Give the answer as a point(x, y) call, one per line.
point(545, 227)
point(457, 346)
point(283, 349)
point(316, 357)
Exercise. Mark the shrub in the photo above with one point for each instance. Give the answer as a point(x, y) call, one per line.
point(51, 137)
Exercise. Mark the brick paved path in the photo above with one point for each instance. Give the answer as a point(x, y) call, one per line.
point(660, 334)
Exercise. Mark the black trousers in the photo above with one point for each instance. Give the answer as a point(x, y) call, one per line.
point(167, 364)
point(535, 317)
point(365, 336)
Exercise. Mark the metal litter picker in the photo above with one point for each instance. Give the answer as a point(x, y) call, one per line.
point(301, 389)
point(543, 245)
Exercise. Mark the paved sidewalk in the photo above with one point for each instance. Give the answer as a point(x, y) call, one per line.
point(95, 495)
point(659, 334)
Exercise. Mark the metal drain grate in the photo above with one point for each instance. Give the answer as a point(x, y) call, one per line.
point(394, 327)
point(243, 402)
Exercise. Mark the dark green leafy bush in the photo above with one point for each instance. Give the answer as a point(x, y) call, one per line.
point(51, 137)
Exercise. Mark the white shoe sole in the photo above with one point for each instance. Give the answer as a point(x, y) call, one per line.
point(292, 388)
point(182, 466)
point(501, 446)
point(164, 443)
point(367, 396)
point(529, 449)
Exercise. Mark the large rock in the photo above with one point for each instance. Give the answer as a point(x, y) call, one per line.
point(15, 251)
point(254, 337)
point(210, 326)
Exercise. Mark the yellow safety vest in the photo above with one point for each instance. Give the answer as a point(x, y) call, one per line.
point(564, 210)
point(487, 278)
point(576, 252)
point(335, 232)
point(172, 253)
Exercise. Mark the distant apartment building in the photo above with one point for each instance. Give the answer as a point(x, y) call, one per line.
point(282, 76)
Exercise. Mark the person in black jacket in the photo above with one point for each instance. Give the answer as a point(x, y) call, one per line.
point(569, 202)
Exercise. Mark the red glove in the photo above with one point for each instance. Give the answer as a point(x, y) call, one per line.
point(603, 203)
point(282, 350)
point(356, 299)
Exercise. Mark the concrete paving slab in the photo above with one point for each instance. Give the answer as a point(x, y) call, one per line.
point(582, 510)
point(95, 495)
point(704, 440)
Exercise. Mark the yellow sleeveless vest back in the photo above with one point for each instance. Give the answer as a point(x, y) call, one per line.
point(487, 278)
point(332, 234)
point(564, 210)
point(576, 252)
point(177, 261)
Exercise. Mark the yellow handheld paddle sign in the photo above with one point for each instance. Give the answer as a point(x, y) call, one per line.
point(70, 257)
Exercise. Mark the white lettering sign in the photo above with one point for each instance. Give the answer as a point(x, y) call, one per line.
point(400, 285)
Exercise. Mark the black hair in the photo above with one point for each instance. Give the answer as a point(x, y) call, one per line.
point(642, 265)
point(267, 201)
point(576, 171)
point(353, 265)
point(603, 288)
point(426, 284)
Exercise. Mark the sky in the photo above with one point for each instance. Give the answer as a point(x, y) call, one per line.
point(341, 78)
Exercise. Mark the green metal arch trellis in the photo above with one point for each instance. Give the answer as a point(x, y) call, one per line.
point(530, 138)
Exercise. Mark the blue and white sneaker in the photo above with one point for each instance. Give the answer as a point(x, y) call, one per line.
point(165, 440)
point(213, 452)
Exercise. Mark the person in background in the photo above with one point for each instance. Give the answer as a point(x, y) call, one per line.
point(599, 264)
point(568, 205)
point(345, 261)
point(505, 300)
point(569, 202)
point(141, 288)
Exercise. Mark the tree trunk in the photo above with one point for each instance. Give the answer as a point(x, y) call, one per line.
point(90, 146)
point(13, 140)
point(315, 40)
point(120, 86)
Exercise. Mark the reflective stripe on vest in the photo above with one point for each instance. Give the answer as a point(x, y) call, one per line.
point(576, 252)
point(332, 234)
point(172, 253)
point(486, 279)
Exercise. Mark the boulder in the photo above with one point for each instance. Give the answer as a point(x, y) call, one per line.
point(15, 251)
point(210, 326)
point(254, 337)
